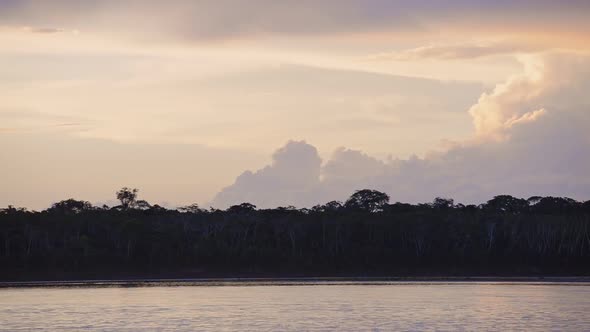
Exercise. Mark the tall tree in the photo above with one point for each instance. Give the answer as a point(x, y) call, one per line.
point(367, 200)
point(128, 197)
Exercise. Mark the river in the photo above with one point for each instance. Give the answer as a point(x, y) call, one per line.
point(300, 306)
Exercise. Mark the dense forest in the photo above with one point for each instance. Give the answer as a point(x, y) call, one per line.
point(364, 236)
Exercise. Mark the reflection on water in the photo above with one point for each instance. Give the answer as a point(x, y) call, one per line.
point(311, 307)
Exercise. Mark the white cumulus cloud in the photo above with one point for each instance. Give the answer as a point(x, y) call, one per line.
point(532, 137)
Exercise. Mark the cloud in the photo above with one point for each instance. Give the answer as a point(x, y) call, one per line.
point(46, 30)
point(549, 83)
point(294, 171)
point(532, 137)
point(41, 30)
point(206, 20)
point(455, 52)
point(346, 164)
point(24, 120)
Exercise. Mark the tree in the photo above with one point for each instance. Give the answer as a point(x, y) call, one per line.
point(534, 200)
point(555, 204)
point(127, 197)
point(157, 208)
point(331, 206)
point(443, 203)
point(550, 236)
point(367, 200)
point(507, 204)
point(193, 208)
point(12, 210)
point(243, 208)
point(70, 206)
point(143, 204)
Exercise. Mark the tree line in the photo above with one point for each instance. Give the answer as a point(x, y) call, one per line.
point(365, 235)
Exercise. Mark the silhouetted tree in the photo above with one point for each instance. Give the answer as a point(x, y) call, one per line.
point(443, 203)
point(243, 208)
point(534, 200)
point(127, 197)
point(364, 236)
point(193, 208)
point(10, 209)
point(332, 206)
point(507, 204)
point(142, 205)
point(556, 205)
point(70, 206)
point(367, 200)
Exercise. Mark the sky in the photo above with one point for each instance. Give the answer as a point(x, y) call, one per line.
point(292, 102)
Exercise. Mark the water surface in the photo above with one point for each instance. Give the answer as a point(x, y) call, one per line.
point(308, 306)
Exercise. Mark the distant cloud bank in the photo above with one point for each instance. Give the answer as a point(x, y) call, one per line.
point(532, 137)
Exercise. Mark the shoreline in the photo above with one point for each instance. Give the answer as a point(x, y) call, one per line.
point(289, 281)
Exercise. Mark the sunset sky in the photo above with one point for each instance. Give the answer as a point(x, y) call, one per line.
point(293, 102)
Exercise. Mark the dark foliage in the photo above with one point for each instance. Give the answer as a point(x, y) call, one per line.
point(365, 235)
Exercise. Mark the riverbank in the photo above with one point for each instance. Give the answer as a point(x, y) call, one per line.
point(289, 281)
point(130, 276)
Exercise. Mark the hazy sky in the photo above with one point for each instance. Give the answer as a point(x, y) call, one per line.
point(196, 101)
